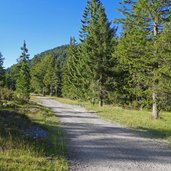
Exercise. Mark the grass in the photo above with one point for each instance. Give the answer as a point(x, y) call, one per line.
point(139, 121)
point(22, 152)
point(34, 99)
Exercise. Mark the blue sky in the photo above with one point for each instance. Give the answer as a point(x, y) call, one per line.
point(44, 24)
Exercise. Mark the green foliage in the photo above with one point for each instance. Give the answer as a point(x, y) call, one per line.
point(139, 52)
point(21, 149)
point(70, 76)
point(2, 71)
point(51, 76)
point(6, 94)
point(46, 76)
point(38, 71)
point(97, 42)
point(162, 72)
point(23, 80)
point(133, 57)
point(11, 76)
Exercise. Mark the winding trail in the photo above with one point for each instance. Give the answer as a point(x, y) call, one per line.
point(97, 145)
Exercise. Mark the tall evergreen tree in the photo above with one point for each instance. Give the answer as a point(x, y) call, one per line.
point(57, 76)
point(98, 40)
point(23, 81)
point(151, 16)
point(132, 57)
point(51, 76)
point(2, 71)
point(70, 77)
point(11, 76)
point(2, 74)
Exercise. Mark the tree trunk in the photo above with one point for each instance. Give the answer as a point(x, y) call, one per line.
point(56, 89)
point(93, 101)
point(43, 91)
point(100, 102)
point(155, 112)
point(51, 90)
point(141, 107)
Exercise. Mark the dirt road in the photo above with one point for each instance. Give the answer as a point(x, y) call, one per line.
point(97, 145)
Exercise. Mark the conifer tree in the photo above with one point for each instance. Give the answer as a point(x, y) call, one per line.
point(163, 46)
point(38, 71)
point(40, 65)
point(151, 16)
point(70, 74)
point(23, 81)
point(2, 71)
point(133, 61)
point(48, 81)
point(57, 77)
point(97, 38)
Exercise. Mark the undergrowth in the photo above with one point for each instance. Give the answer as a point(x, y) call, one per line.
point(20, 150)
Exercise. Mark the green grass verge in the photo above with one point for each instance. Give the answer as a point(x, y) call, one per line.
point(140, 121)
point(20, 151)
point(34, 99)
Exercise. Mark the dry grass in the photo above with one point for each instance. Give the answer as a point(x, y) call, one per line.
point(20, 152)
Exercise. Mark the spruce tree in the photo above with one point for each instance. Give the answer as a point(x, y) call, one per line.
point(38, 71)
point(57, 77)
point(132, 56)
point(150, 16)
point(49, 79)
point(70, 77)
point(98, 40)
point(41, 63)
point(2, 71)
point(23, 81)
point(163, 46)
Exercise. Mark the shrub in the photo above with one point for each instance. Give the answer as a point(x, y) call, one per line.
point(6, 94)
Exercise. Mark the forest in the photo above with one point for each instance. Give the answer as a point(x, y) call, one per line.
point(132, 70)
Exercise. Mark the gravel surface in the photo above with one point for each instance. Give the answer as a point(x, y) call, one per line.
point(97, 145)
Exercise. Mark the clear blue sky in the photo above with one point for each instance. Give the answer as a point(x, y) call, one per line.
point(44, 24)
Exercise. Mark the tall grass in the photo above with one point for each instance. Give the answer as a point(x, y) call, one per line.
point(20, 150)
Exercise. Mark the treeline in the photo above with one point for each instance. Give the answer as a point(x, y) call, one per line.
point(133, 70)
point(46, 71)
point(17, 78)
point(41, 75)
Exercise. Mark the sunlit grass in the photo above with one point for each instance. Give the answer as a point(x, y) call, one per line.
point(19, 152)
point(34, 99)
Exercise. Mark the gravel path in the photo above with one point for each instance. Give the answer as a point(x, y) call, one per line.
point(97, 145)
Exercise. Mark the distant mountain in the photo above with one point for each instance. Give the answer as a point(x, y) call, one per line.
point(59, 53)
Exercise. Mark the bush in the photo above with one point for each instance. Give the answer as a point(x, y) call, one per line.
point(21, 98)
point(6, 94)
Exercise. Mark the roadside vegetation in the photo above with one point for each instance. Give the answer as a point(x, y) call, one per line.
point(30, 139)
point(139, 121)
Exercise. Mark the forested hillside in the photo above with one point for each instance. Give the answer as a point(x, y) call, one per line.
point(46, 71)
